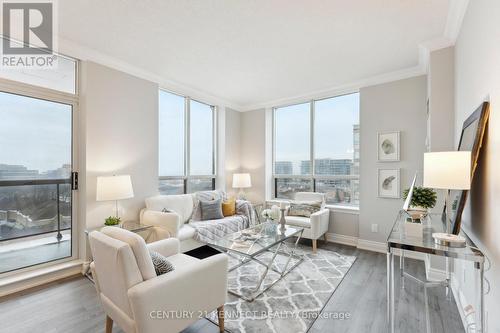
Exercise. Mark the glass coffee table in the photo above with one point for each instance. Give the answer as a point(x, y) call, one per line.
point(262, 244)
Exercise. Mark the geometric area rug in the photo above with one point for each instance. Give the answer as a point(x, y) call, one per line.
point(294, 302)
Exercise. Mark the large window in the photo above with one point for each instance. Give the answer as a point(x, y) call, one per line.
point(316, 148)
point(187, 145)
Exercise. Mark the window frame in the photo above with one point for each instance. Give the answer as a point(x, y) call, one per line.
point(312, 176)
point(28, 90)
point(187, 143)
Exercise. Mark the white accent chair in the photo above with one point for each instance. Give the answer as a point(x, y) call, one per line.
point(138, 300)
point(315, 226)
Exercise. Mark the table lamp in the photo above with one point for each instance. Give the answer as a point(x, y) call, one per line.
point(241, 181)
point(449, 170)
point(114, 188)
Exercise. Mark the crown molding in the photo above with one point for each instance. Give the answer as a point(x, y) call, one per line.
point(342, 89)
point(72, 49)
point(456, 13)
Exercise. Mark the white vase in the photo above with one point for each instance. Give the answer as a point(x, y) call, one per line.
point(414, 229)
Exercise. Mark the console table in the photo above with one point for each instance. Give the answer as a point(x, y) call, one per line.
point(398, 240)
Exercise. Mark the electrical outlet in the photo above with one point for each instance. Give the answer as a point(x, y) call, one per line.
point(374, 227)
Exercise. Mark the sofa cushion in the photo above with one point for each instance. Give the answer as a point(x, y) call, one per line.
point(211, 210)
point(206, 196)
point(181, 204)
point(161, 263)
point(186, 232)
point(298, 221)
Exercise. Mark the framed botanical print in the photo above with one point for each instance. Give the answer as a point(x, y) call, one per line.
point(389, 183)
point(388, 146)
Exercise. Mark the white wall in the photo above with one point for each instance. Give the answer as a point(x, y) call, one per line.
point(394, 106)
point(440, 84)
point(232, 144)
point(119, 117)
point(253, 152)
point(477, 78)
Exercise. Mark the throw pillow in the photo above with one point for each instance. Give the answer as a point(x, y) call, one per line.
point(211, 210)
point(205, 196)
point(303, 208)
point(229, 207)
point(161, 264)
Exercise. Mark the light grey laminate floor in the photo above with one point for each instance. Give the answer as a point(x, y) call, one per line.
point(72, 305)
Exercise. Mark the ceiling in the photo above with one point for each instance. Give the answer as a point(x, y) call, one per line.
point(253, 52)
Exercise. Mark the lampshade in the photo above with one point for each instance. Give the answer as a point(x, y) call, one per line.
point(241, 180)
point(448, 170)
point(114, 188)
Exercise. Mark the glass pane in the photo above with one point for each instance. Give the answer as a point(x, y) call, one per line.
point(35, 138)
point(292, 140)
point(171, 186)
point(201, 139)
point(171, 132)
point(61, 78)
point(336, 135)
point(35, 189)
point(196, 185)
point(287, 187)
point(339, 191)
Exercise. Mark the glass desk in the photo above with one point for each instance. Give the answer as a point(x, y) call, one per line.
point(398, 240)
point(247, 245)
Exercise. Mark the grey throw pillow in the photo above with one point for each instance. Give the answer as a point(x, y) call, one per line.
point(161, 263)
point(205, 196)
point(211, 210)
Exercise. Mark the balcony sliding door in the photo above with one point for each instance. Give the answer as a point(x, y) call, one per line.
point(36, 163)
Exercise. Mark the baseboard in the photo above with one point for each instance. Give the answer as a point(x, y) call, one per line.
point(341, 239)
point(369, 245)
point(19, 282)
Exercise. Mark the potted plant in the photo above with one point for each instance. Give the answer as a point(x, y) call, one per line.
point(423, 198)
point(421, 201)
point(112, 220)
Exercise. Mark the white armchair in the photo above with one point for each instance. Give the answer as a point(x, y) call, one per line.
point(315, 226)
point(137, 300)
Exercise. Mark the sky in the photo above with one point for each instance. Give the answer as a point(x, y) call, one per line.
point(34, 133)
point(172, 136)
point(334, 120)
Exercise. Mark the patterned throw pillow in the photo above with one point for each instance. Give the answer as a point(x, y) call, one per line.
point(205, 196)
point(161, 264)
point(229, 207)
point(211, 210)
point(304, 208)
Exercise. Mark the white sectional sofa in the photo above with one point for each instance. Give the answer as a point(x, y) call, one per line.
point(176, 216)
